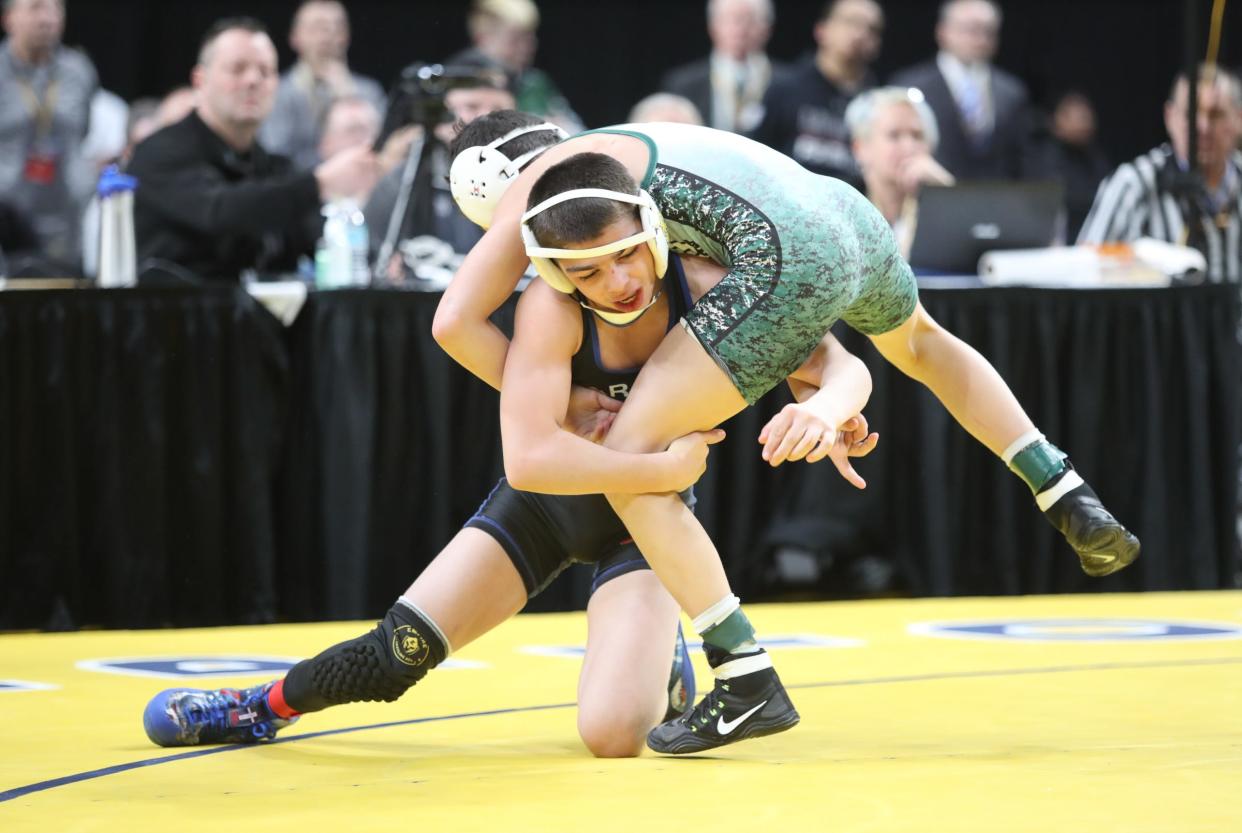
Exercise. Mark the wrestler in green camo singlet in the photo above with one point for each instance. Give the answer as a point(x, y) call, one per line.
point(802, 250)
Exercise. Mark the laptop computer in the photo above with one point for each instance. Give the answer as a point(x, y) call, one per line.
point(957, 224)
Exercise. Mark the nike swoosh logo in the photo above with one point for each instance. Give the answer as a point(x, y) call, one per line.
point(724, 727)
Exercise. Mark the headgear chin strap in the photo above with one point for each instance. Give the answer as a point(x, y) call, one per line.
point(653, 234)
point(479, 176)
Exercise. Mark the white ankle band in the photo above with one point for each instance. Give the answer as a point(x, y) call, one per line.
point(1072, 480)
point(1032, 436)
point(716, 614)
point(743, 665)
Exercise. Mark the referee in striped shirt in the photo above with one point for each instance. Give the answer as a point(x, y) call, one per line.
point(1150, 197)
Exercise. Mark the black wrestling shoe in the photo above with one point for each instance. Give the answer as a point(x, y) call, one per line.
point(727, 714)
point(1103, 545)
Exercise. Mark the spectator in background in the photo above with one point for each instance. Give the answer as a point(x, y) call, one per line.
point(804, 114)
point(1070, 154)
point(210, 199)
point(727, 86)
point(983, 111)
point(142, 121)
point(351, 121)
point(895, 135)
point(666, 107)
point(447, 223)
point(1154, 196)
point(503, 36)
point(176, 105)
point(106, 140)
point(45, 103)
point(320, 37)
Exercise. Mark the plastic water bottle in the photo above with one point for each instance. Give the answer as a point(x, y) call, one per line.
point(359, 244)
point(117, 265)
point(341, 256)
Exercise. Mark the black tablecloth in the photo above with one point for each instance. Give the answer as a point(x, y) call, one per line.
point(175, 457)
point(140, 434)
point(392, 446)
point(1141, 388)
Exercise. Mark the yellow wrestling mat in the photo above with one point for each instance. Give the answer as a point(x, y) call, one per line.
point(1066, 714)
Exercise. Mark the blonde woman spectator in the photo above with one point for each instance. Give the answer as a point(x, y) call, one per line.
point(894, 136)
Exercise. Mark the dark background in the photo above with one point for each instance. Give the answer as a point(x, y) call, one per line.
point(606, 56)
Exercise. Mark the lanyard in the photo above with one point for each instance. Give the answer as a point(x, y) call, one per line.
point(42, 109)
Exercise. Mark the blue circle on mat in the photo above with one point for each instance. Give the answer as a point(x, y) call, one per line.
point(1080, 630)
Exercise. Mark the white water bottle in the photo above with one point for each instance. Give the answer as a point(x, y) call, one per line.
point(359, 243)
point(117, 265)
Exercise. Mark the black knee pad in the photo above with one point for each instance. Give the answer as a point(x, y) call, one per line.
point(377, 666)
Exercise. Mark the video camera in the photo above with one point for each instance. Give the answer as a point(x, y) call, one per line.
point(417, 96)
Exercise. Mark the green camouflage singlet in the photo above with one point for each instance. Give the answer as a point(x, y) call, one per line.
point(802, 250)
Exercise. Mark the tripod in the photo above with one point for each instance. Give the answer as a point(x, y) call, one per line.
point(418, 98)
point(413, 207)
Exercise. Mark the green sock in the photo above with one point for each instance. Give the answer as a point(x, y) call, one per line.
point(1039, 463)
point(733, 635)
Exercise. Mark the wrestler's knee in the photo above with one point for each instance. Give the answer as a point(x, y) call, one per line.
point(613, 734)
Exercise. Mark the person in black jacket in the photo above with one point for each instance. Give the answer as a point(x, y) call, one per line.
point(804, 112)
point(1070, 152)
point(983, 111)
point(210, 199)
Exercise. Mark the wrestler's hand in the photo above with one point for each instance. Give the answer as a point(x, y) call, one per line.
point(853, 440)
point(688, 455)
point(590, 413)
point(797, 432)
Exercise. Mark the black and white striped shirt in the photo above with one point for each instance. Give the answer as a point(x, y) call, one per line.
point(1139, 200)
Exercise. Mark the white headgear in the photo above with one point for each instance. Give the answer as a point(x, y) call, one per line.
point(653, 234)
point(479, 176)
